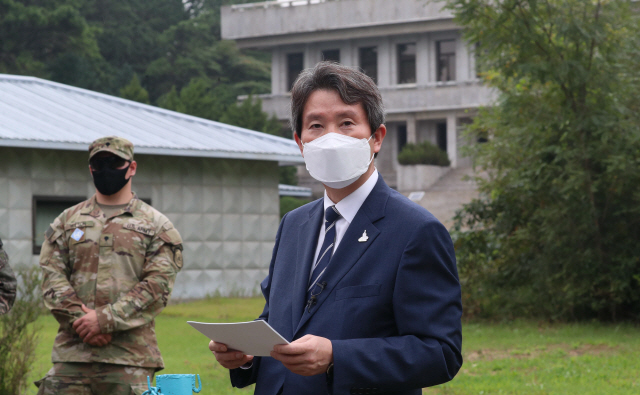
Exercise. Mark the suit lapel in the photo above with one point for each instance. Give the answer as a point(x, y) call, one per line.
point(308, 233)
point(350, 248)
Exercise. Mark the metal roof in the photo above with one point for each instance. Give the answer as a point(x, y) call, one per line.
point(35, 113)
point(294, 190)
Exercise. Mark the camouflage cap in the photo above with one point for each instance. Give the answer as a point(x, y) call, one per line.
point(114, 144)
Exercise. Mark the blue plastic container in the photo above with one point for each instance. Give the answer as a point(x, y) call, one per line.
point(174, 384)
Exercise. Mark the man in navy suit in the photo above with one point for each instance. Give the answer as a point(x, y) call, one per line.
point(363, 282)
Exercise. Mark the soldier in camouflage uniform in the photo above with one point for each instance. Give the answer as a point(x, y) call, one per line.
point(109, 264)
point(7, 283)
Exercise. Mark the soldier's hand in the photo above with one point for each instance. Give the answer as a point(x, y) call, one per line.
point(100, 340)
point(229, 359)
point(87, 326)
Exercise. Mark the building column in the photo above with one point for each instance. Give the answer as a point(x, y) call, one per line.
point(276, 71)
point(452, 139)
point(412, 133)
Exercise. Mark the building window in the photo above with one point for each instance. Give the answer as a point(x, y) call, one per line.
point(446, 57)
point(441, 135)
point(407, 63)
point(45, 210)
point(295, 64)
point(331, 55)
point(369, 62)
point(402, 136)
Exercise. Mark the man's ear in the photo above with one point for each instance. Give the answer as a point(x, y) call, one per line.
point(299, 142)
point(132, 169)
point(378, 136)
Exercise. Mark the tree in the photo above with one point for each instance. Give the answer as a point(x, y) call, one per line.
point(34, 34)
point(134, 91)
point(249, 115)
point(554, 233)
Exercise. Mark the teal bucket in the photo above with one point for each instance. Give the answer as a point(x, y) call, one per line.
point(174, 384)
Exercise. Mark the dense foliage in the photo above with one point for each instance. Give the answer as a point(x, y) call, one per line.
point(555, 232)
point(19, 333)
point(163, 52)
point(424, 153)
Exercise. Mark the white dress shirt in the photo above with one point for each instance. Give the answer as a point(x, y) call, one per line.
point(348, 208)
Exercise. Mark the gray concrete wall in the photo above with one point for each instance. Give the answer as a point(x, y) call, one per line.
point(272, 23)
point(227, 211)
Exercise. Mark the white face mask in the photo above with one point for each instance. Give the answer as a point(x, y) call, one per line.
point(337, 160)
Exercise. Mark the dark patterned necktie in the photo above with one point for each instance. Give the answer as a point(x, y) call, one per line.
point(331, 215)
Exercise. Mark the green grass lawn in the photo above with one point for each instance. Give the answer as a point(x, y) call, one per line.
point(505, 358)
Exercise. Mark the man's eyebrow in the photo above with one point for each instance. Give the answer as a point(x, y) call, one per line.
point(320, 115)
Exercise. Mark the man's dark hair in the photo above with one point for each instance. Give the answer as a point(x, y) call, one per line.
point(352, 85)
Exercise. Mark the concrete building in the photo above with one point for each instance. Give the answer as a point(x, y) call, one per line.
point(411, 48)
point(217, 183)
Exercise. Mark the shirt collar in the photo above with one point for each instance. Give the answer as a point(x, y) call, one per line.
point(349, 206)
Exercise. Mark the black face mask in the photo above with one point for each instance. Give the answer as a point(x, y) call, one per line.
point(109, 181)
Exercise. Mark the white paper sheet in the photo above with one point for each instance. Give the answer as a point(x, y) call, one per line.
point(255, 338)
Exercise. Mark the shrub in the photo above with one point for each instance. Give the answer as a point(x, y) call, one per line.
point(423, 154)
point(19, 333)
point(288, 203)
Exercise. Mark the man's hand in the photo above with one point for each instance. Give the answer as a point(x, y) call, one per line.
point(228, 358)
point(307, 356)
point(87, 326)
point(100, 340)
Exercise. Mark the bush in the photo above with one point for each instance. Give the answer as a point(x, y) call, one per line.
point(19, 333)
point(423, 154)
point(288, 203)
point(554, 233)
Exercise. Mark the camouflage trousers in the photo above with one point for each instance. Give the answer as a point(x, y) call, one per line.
point(73, 378)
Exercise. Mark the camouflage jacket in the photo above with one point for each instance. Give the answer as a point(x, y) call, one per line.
point(123, 266)
point(7, 283)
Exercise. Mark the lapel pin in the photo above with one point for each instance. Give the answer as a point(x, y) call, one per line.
point(364, 237)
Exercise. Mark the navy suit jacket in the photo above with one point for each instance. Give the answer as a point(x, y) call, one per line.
point(391, 307)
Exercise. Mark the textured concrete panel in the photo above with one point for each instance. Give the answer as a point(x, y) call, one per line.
point(192, 255)
point(212, 258)
point(171, 198)
point(171, 170)
point(149, 169)
point(47, 188)
point(192, 199)
point(19, 252)
point(75, 166)
point(212, 227)
point(191, 171)
point(232, 227)
point(232, 255)
point(251, 200)
point(20, 194)
point(20, 225)
point(269, 226)
point(4, 224)
point(251, 228)
point(4, 192)
point(269, 201)
point(212, 171)
point(70, 188)
point(191, 227)
point(266, 253)
point(231, 171)
point(251, 255)
point(18, 163)
point(231, 199)
point(212, 199)
point(47, 165)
